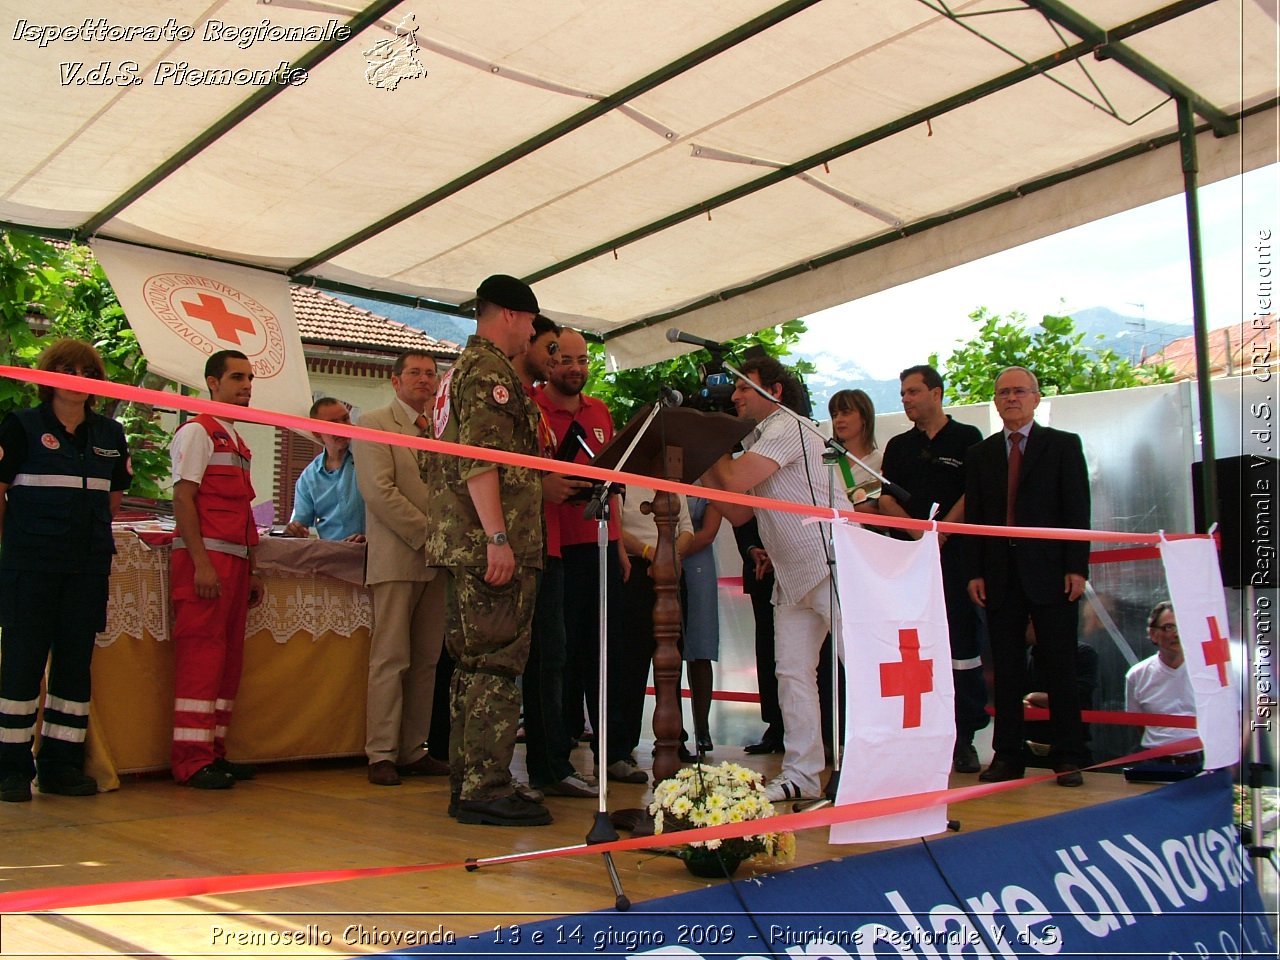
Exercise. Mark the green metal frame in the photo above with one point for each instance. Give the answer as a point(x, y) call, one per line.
point(912, 119)
point(920, 226)
point(1199, 314)
point(610, 103)
point(233, 118)
point(1094, 39)
point(1107, 46)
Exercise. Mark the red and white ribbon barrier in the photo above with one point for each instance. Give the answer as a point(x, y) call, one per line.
point(158, 398)
point(101, 894)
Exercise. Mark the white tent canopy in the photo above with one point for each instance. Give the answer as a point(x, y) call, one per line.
point(718, 166)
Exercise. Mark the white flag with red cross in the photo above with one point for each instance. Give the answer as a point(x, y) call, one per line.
point(184, 309)
point(899, 713)
point(1199, 604)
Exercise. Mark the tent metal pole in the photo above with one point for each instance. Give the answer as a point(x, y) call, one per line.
point(1190, 168)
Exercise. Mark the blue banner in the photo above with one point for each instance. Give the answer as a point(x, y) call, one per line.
point(1160, 874)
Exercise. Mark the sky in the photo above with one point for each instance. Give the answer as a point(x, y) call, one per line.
point(1135, 263)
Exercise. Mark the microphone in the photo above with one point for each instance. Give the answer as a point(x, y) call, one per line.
point(679, 336)
point(670, 397)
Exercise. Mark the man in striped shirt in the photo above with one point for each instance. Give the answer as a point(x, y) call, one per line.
point(783, 461)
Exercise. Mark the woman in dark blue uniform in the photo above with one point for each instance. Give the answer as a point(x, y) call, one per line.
point(63, 472)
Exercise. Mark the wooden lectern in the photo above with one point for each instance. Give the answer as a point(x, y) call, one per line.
point(674, 443)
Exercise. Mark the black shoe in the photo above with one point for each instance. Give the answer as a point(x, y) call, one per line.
point(66, 782)
point(238, 771)
point(210, 777)
point(510, 811)
point(705, 745)
point(425, 766)
point(15, 788)
point(964, 758)
point(682, 751)
point(771, 742)
point(1069, 775)
point(571, 786)
point(1000, 771)
point(383, 773)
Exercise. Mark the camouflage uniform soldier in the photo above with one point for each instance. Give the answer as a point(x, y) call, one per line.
point(487, 533)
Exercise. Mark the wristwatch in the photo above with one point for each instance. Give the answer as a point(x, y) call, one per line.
point(499, 539)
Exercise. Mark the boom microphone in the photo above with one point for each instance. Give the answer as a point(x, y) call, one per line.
point(679, 336)
point(670, 397)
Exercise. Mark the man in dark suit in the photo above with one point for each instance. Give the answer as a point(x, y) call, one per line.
point(1029, 476)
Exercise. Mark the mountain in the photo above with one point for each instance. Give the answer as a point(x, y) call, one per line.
point(1131, 337)
point(835, 372)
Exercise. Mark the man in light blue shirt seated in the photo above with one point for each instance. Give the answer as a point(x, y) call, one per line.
point(326, 495)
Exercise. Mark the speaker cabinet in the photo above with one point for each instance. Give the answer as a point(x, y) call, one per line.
point(1247, 491)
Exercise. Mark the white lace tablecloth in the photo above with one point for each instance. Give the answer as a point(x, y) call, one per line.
point(306, 660)
point(296, 602)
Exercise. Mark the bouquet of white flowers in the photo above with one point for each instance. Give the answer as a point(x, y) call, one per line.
point(705, 795)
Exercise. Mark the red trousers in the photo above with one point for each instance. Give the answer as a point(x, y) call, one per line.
point(208, 641)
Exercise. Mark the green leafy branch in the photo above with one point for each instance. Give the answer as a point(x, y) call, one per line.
point(65, 288)
point(1055, 351)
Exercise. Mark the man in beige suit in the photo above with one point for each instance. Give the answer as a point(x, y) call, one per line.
point(408, 596)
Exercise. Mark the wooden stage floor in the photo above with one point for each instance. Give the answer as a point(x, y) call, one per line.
point(326, 816)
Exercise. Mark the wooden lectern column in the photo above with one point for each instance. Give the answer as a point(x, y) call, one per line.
point(667, 719)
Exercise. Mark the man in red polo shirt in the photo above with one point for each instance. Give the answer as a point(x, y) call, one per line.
point(583, 426)
point(547, 745)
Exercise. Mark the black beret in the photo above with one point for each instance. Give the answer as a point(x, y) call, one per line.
point(508, 292)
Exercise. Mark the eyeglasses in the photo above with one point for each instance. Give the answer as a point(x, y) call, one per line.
point(1166, 628)
point(89, 373)
point(575, 361)
point(1004, 393)
point(553, 348)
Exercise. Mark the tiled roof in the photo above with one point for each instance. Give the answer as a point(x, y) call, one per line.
point(1251, 345)
point(326, 320)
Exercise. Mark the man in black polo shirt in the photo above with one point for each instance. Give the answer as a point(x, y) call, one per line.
point(928, 462)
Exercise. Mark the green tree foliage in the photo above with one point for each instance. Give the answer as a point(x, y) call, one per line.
point(1054, 351)
point(67, 287)
point(626, 391)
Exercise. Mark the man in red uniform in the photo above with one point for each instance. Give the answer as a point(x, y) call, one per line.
point(547, 745)
point(583, 425)
point(211, 578)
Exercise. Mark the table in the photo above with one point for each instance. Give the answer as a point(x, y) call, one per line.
point(306, 660)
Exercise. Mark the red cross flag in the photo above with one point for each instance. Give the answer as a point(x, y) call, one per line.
point(899, 719)
point(183, 309)
point(1195, 589)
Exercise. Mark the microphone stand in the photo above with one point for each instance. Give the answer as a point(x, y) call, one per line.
point(602, 829)
point(895, 491)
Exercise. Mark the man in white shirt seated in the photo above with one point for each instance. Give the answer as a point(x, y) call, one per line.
point(1162, 684)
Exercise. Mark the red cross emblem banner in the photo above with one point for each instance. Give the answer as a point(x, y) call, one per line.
point(899, 713)
point(184, 309)
point(1200, 606)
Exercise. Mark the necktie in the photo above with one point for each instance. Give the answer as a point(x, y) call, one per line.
point(1015, 468)
point(421, 423)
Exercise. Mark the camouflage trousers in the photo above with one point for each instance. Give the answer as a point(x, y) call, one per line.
point(487, 632)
